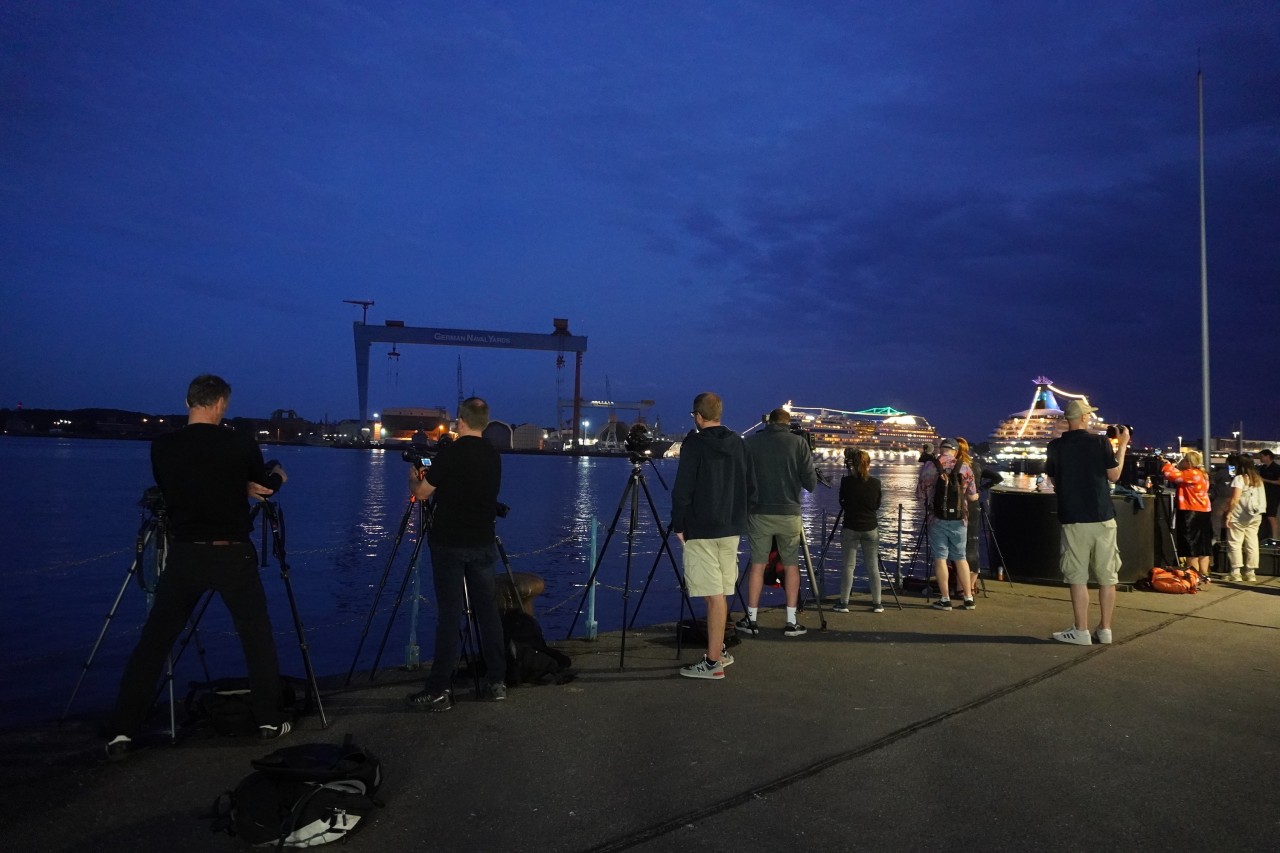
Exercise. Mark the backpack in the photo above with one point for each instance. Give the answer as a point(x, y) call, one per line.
point(225, 704)
point(1253, 503)
point(529, 658)
point(302, 796)
point(949, 499)
point(1177, 581)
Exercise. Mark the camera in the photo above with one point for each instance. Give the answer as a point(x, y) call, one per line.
point(152, 500)
point(418, 457)
point(1112, 431)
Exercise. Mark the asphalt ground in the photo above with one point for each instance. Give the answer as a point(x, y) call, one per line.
point(913, 729)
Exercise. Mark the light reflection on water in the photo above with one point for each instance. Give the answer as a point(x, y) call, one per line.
point(67, 562)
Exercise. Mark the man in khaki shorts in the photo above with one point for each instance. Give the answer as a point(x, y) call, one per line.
point(1082, 465)
point(709, 515)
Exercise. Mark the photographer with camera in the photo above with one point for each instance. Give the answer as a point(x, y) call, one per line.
point(464, 477)
point(1082, 466)
point(782, 463)
point(204, 471)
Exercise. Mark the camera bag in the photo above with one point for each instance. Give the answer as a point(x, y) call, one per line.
point(302, 796)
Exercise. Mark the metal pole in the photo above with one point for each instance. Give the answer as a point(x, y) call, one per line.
point(592, 626)
point(1204, 282)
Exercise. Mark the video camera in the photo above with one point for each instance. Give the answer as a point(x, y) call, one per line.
point(638, 442)
point(420, 453)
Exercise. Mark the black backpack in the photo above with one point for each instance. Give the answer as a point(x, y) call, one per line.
point(529, 659)
point(302, 796)
point(949, 500)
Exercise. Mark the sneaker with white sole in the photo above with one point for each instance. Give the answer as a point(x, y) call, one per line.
point(1235, 576)
point(726, 659)
point(119, 748)
point(1102, 636)
point(1073, 635)
point(703, 669)
point(747, 625)
point(877, 608)
point(794, 629)
point(840, 608)
point(1251, 576)
point(941, 604)
point(273, 732)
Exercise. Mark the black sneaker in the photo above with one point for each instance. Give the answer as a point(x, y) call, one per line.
point(496, 692)
point(840, 608)
point(119, 748)
point(747, 625)
point(425, 700)
point(794, 629)
point(877, 608)
point(941, 604)
point(273, 732)
point(969, 604)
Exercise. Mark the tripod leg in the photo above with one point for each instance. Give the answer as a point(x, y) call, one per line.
point(277, 532)
point(469, 639)
point(382, 582)
point(992, 540)
point(115, 605)
point(410, 572)
point(665, 533)
point(813, 580)
point(887, 577)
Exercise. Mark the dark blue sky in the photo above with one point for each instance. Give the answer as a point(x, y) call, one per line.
point(921, 205)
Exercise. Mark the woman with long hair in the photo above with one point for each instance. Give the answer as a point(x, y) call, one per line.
point(984, 478)
point(1195, 516)
point(860, 496)
point(1244, 517)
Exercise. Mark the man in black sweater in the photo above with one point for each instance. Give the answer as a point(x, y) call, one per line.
point(206, 473)
point(709, 515)
point(465, 478)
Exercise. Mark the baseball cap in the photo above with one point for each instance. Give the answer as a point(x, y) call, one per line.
point(948, 444)
point(1077, 409)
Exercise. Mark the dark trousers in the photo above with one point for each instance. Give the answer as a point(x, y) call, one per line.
point(190, 572)
point(450, 566)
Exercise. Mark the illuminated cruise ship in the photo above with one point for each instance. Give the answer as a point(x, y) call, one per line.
point(1020, 439)
point(879, 431)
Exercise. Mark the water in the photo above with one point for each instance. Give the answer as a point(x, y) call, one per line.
point(71, 518)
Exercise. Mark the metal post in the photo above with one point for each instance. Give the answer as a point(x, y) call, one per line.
point(592, 626)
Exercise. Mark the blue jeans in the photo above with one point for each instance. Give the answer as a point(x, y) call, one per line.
point(451, 566)
point(192, 570)
point(869, 541)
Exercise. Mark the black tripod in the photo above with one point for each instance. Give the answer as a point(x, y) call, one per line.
point(469, 633)
point(635, 485)
point(815, 588)
point(885, 576)
point(150, 552)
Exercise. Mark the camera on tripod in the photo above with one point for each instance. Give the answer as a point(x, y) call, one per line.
point(420, 453)
point(638, 442)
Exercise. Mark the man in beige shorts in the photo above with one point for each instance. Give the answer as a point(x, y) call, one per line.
point(709, 515)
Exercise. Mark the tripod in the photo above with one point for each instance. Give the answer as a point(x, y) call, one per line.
point(814, 587)
point(468, 634)
point(635, 485)
point(885, 576)
point(153, 534)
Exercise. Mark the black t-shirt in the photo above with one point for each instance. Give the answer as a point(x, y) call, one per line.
point(860, 499)
point(1078, 462)
point(204, 471)
point(467, 474)
point(1271, 472)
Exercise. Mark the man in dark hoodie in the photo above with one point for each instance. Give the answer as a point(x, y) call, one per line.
point(709, 515)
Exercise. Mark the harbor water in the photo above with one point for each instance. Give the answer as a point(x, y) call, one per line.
point(71, 518)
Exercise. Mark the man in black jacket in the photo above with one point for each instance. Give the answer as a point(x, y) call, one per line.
point(207, 473)
point(465, 478)
point(709, 515)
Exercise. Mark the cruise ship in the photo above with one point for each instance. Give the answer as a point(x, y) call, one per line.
point(1019, 441)
point(883, 431)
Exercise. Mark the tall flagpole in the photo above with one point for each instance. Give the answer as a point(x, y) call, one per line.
point(1204, 282)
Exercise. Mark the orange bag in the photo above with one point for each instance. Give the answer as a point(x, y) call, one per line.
point(1177, 581)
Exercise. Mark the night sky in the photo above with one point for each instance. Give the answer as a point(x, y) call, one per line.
point(921, 205)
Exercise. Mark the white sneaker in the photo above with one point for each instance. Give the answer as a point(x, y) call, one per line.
point(1102, 636)
point(726, 659)
point(1235, 576)
point(1073, 635)
point(1251, 576)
